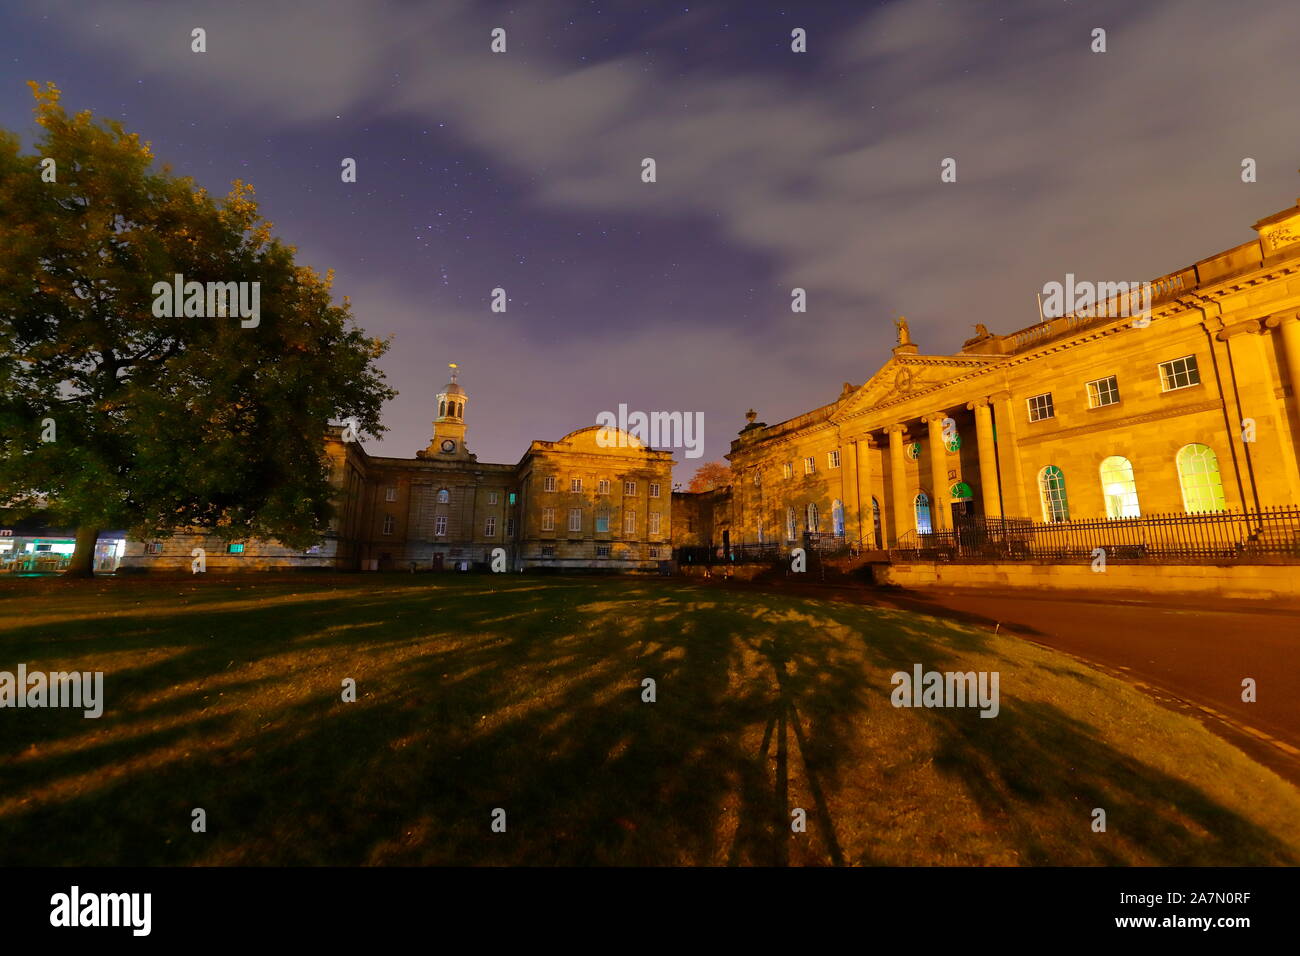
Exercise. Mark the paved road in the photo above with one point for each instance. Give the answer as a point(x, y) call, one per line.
point(1190, 654)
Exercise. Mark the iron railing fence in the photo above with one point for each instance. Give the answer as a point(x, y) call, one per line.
point(1226, 535)
point(770, 552)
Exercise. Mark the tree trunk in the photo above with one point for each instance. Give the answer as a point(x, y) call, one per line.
point(83, 557)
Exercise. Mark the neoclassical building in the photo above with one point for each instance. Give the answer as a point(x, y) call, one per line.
point(586, 501)
point(1190, 407)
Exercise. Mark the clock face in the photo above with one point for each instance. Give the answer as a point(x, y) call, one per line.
point(448, 445)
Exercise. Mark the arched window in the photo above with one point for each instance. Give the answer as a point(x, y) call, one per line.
point(460, 409)
point(814, 519)
point(837, 517)
point(442, 409)
point(1051, 489)
point(1119, 488)
point(1198, 473)
point(444, 496)
point(922, 505)
point(875, 523)
point(790, 530)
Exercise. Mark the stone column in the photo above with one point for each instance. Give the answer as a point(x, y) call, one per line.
point(900, 505)
point(1288, 326)
point(849, 488)
point(1015, 502)
point(1272, 454)
point(865, 490)
point(990, 491)
point(940, 520)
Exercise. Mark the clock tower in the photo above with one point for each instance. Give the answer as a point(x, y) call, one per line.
point(449, 427)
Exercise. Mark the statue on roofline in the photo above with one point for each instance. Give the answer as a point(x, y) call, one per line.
point(904, 337)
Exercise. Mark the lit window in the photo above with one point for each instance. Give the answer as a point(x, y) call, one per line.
point(440, 526)
point(809, 465)
point(1051, 491)
point(444, 496)
point(913, 450)
point(1118, 488)
point(629, 522)
point(153, 547)
point(1198, 474)
point(788, 469)
point(921, 504)
point(548, 483)
point(1040, 407)
point(654, 489)
point(814, 519)
point(490, 527)
point(654, 522)
point(602, 519)
point(390, 494)
point(1180, 373)
point(1104, 391)
point(236, 548)
point(833, 459)
point(837, 517)
point(548, 519)
point(575, 519)
point(513, 497)
point(790, 528)
point(629, 487)
point(575, 484)
point(388, 524)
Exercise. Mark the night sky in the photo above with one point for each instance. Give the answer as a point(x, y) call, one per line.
point(775, 170)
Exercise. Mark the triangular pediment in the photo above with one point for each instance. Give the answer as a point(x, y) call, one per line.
point(906, 376)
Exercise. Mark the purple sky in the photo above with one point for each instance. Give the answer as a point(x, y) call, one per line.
point(775, 170)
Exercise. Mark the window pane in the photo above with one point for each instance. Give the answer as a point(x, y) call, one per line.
point(1198, 474)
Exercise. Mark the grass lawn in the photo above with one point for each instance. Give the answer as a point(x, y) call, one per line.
point(478, 692)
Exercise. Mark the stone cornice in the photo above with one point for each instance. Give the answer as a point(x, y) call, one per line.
point(1172, 412)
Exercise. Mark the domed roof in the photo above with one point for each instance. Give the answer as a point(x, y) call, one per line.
point(451, 388)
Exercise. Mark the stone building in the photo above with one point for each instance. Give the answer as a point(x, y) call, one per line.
point(1189, 406)
point(595, 499)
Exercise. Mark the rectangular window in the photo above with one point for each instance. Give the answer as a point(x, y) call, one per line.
point(512, 497)
point(548, 519)
point(1180, 373)
point(440, 526)
point(809, 465)
point(629, 487)
point(603, 487)
point(575, 484)
point(510, 527)
point(1040, 407)
point(548, 483)
point(548, 551)
point(654, 522)
point(235, 548)
point(490, 527)
point(629, 522)
point(654, 489)
point(602, 519)
point(153, 547)
point(788, 469)
point(654, 552)
point(602, 551)
point(492, 497)
point(1104, 391)
point(833, 459)
point(575, 519)
point(388, 524)
point(390, 494)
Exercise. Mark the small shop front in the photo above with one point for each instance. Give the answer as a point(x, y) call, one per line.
point(27, 548)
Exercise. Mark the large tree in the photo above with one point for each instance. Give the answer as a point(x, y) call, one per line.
point(113, 417)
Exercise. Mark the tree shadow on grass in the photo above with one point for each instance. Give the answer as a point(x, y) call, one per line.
point(527, 698)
